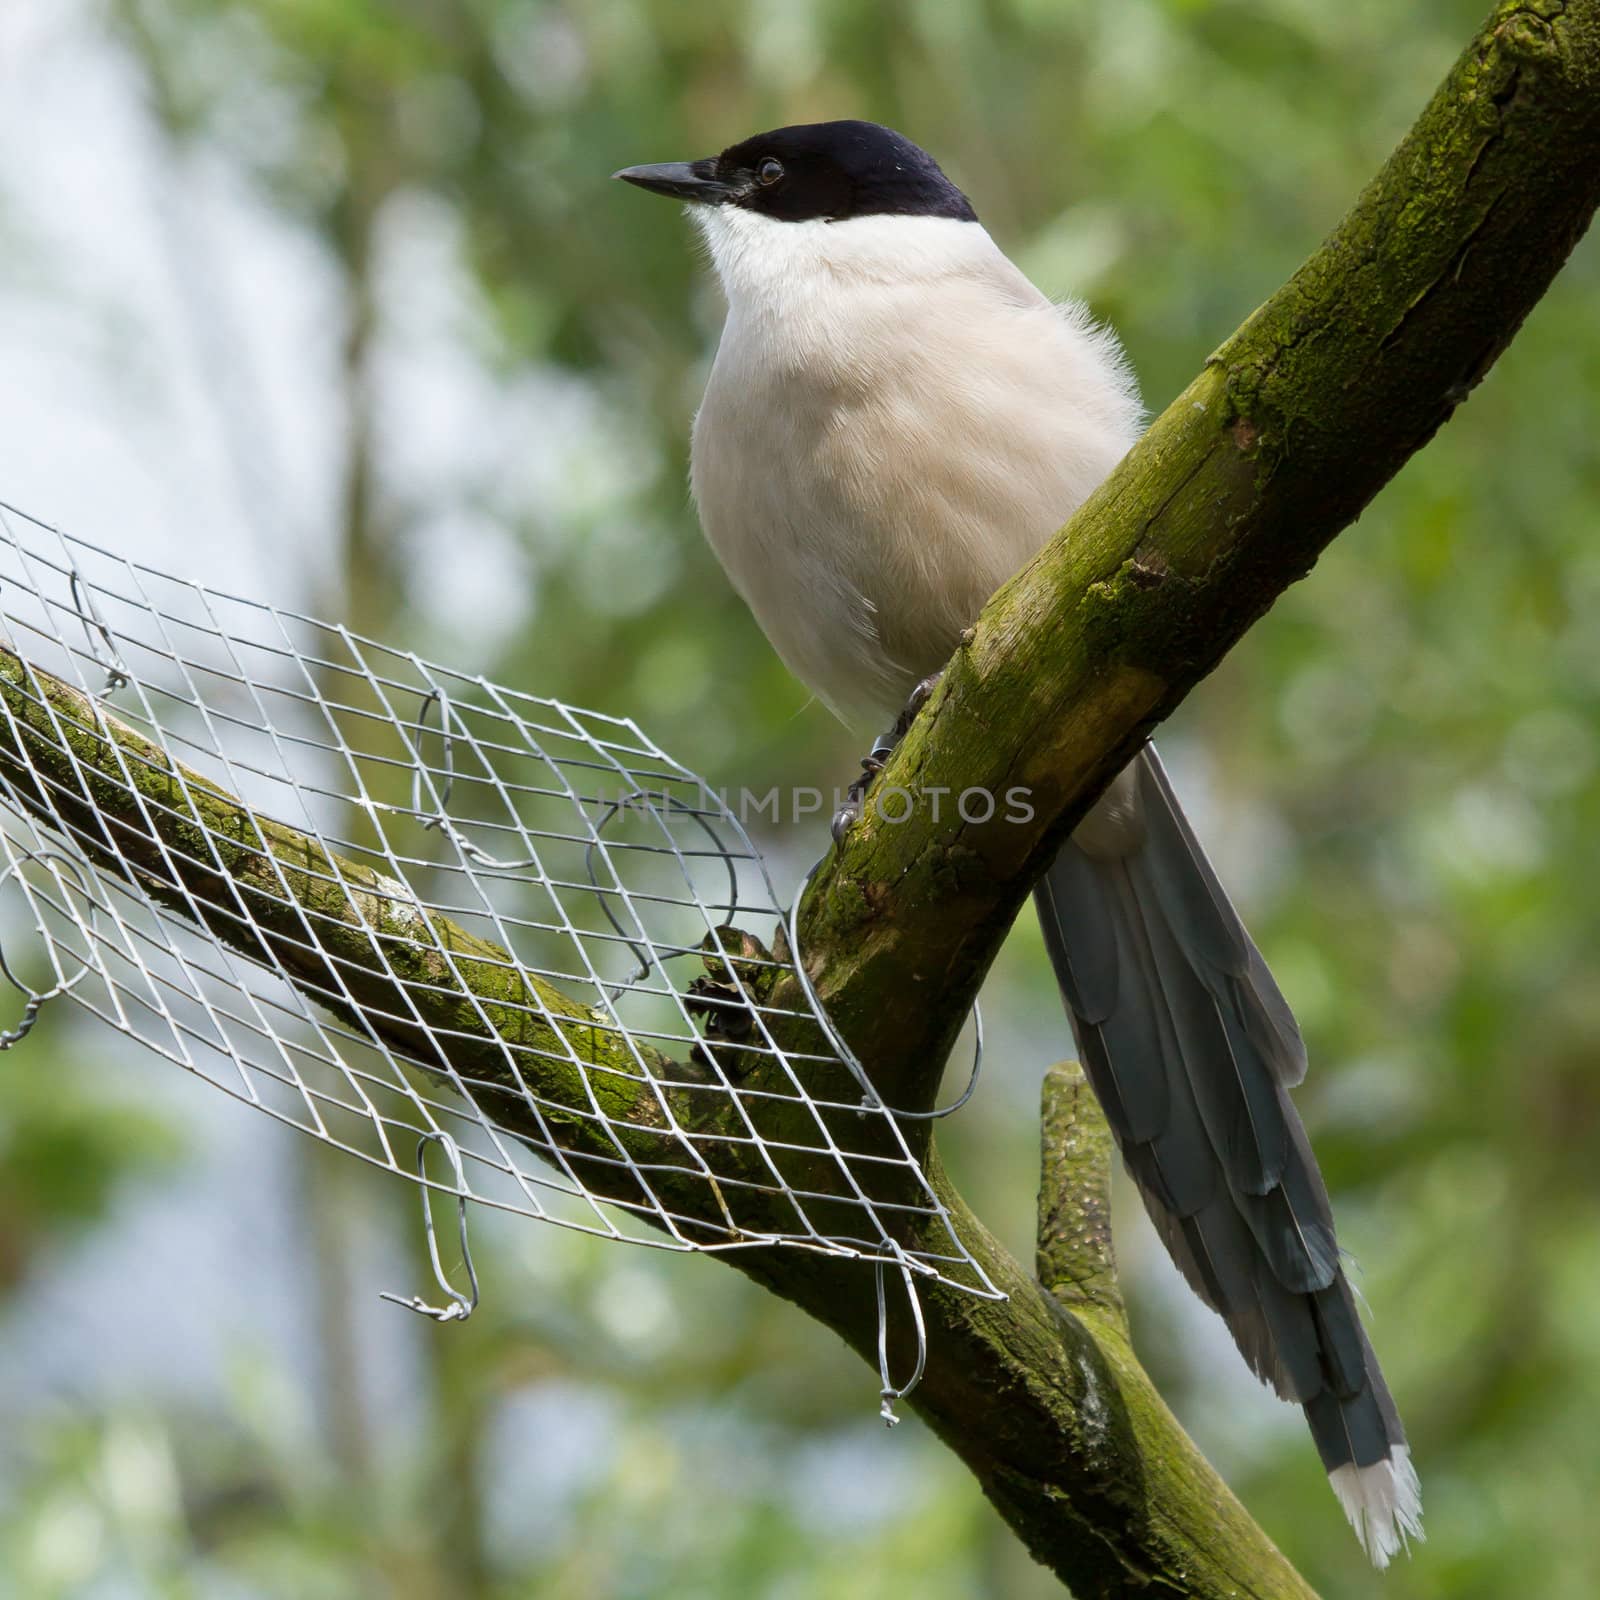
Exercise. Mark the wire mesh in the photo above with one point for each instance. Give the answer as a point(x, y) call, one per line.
point(393, 904)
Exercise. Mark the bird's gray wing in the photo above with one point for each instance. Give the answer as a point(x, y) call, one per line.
point(1191, 1049)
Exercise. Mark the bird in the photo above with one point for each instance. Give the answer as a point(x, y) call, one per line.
point(896, 420)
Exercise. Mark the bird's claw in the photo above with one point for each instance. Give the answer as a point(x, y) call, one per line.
point(917, 699)
point(846, 817)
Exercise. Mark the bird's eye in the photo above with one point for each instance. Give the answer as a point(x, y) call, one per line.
point(769, 172)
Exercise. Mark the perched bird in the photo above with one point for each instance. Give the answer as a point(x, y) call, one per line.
point(896, 421)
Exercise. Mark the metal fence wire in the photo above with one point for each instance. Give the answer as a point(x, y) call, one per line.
point(409, 910)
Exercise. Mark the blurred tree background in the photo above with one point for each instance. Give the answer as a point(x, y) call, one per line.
point(331, 302)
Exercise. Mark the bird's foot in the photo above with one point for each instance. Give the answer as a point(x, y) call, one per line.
point(872, 763)
point(917, 699)
point(849, 813)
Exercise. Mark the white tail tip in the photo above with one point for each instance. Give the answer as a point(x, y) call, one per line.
point(1383, 1503)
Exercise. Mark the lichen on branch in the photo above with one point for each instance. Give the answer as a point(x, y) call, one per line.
point(1294, 424)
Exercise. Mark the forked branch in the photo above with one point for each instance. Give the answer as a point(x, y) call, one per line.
point(1292, 427)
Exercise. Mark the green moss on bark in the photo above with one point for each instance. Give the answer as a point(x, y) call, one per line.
point(1295, 423)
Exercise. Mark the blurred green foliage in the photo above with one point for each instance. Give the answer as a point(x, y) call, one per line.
point(1401, 766)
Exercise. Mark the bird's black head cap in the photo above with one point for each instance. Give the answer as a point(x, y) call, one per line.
point(826, 170)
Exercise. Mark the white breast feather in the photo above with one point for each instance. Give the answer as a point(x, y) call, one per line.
point(895, 422)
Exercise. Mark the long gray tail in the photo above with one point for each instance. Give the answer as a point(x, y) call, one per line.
point(1191, 1050)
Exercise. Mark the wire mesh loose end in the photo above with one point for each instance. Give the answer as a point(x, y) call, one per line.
point(53, 861)
point(460, 1306)
point(836, 1040)
point(104, 653)
point(888, 1394)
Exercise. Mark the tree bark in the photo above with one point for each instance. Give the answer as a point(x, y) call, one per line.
point(1291, 428)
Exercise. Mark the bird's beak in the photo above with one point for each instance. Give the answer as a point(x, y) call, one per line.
point(683, 180)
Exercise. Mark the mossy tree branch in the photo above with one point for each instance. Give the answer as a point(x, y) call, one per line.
point(1291, 428)
point(1075, 1259)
